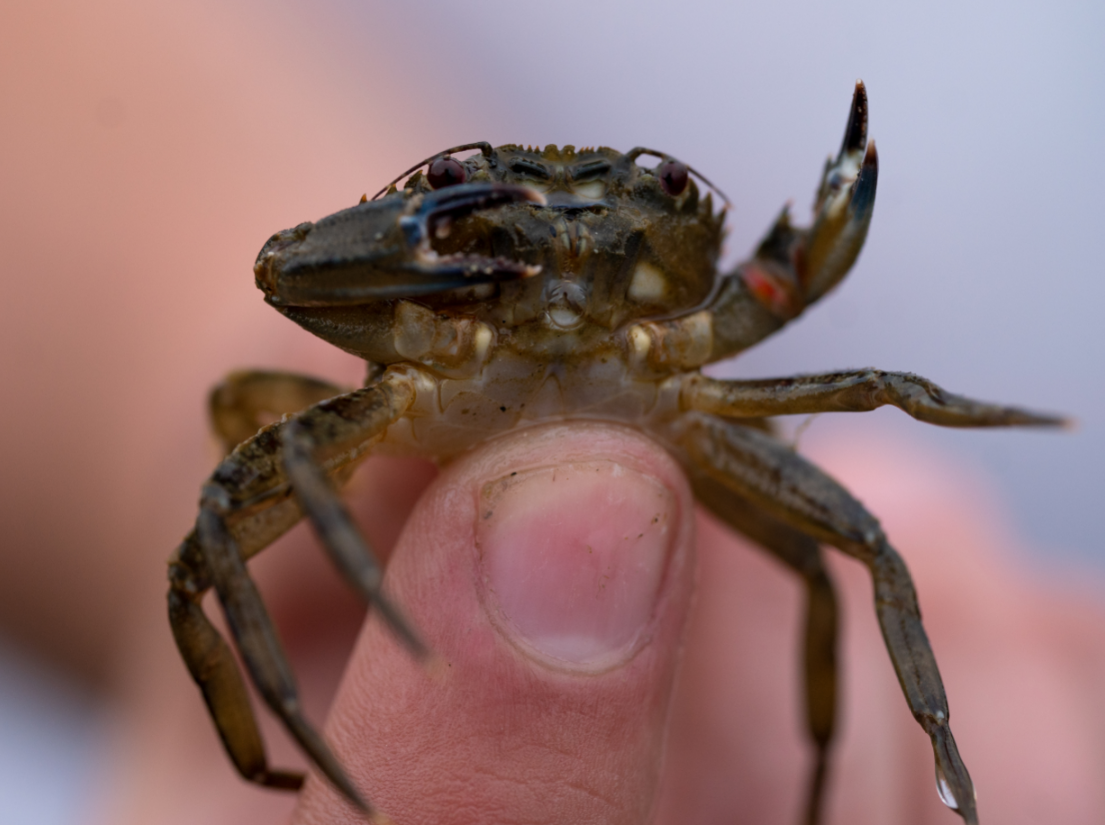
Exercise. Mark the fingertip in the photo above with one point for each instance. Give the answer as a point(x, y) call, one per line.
point(552, 666)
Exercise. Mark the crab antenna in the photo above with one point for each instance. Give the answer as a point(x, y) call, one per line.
point(636, 152)
point(482, 145)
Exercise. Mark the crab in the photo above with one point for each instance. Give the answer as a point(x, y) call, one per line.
point(513, 286)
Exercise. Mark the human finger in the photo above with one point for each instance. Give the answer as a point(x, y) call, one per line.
point(551, 572)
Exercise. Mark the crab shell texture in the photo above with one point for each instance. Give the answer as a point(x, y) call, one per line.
point(600, 252)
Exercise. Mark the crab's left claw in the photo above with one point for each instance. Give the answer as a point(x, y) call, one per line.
point(382, 250)
point(794, 267)
point(845, 203)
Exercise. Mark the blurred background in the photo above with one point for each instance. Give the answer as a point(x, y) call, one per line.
point(147, 150)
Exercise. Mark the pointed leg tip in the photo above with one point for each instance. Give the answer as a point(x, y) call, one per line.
point(1058, 422)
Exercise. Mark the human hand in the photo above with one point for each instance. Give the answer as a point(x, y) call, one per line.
point(505, 735)
point(499, 732)
point(551, 572)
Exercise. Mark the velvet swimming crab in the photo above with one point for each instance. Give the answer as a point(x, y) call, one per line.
point(514, 286)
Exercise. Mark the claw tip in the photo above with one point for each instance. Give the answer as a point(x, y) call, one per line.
point(855, 133)
point(871, 157)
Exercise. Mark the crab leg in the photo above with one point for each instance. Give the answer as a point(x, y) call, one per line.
point(338, 533)
point(852, 391)
point(245, 505)
point(239, 405)
point(213, 667)
point(801, 554)
point(261, 650)
point(790, 489)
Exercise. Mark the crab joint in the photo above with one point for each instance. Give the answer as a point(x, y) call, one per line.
point(663, 346)
point(456, 347)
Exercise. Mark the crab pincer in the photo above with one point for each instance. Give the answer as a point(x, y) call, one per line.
point(844, 206)
point(383, 249)
point(794, 267)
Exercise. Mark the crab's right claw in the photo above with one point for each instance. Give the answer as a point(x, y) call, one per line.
point(845, 203)
point(381, 250)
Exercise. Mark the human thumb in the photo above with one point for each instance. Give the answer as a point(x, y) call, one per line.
point(551, 572)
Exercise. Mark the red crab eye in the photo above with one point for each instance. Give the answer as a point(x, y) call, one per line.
point(673, 176)
point(445, 172)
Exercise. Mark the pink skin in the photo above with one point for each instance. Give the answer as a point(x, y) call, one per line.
point(527, 700)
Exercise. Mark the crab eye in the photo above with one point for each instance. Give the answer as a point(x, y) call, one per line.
point(445, 172)
point(673, 176)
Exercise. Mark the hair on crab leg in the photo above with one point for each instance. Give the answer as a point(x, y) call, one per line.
point(792, 490)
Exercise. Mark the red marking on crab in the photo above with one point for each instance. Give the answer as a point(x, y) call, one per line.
point(770, 291)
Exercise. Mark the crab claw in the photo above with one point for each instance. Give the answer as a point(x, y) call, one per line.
point(381, 250)
point(844, 206)
point(428, 214)
point(433, 216)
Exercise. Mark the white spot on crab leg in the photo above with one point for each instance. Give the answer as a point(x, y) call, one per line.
point(649, 285)
point(482, 342)
point(639, 344)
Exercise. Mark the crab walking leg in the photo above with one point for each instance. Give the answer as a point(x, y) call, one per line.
point(803, 555)
point(239, 405)
point(244, 506)
point(792, 490)
point(852, 391)
point(261, 650)
point(339, 534)
point(213, 667)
